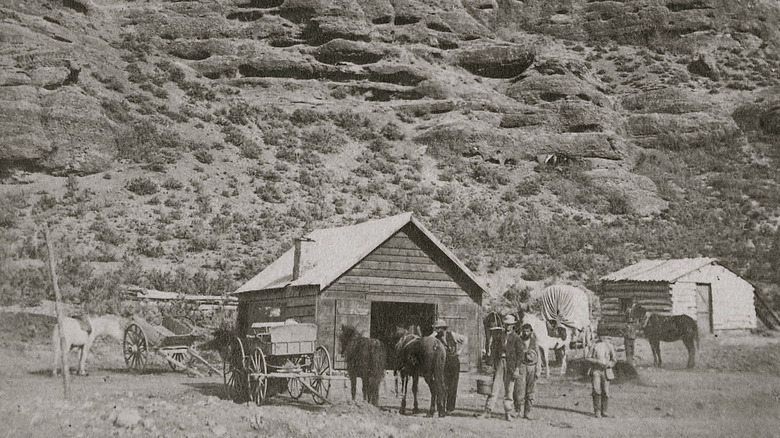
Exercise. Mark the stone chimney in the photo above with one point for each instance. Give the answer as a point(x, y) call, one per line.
point(298, 258)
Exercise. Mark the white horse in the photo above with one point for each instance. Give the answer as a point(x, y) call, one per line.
point(77, 337)
point(549, 343)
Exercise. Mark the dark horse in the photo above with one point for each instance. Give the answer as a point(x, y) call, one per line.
point(421, 356)
point(366, 359)
point(659, 328)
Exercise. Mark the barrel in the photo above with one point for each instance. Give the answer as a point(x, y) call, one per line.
point(484, 386)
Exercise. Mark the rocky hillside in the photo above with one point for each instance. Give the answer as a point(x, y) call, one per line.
point(183, 144)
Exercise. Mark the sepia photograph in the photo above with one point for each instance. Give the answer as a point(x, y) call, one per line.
point(389, 218)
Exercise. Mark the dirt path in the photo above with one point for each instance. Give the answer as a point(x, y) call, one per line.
point(706, 402)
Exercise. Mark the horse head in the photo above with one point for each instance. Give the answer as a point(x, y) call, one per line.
point(348, 333)
point(638, 313)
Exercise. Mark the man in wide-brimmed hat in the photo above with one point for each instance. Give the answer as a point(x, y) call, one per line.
point(500, 378)
point(453, 343)
point(523, 368)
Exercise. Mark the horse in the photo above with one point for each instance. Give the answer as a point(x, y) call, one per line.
point(659, 328)
point(366, 359)
point(81, 334)
point(421, 356)
point(398, 376)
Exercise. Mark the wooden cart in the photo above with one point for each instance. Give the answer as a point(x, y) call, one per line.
point(277, 350)
point(174, 341)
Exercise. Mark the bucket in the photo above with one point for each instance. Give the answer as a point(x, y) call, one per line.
point(484, 386)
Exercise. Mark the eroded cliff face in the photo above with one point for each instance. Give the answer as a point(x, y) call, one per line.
point(503, 80)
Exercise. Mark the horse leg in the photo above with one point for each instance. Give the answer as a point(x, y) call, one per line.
point(688, 341)
point(83, 358)
point(415, 387)
point(404, 387)
point(434, 395)
point(353, 385)
point(655, 346)
point(545, 354)
point(564, 358)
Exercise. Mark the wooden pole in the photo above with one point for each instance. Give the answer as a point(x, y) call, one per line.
point(60, 313)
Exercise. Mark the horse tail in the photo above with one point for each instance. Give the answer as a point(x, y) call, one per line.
point(696, 337)
point(377, 363)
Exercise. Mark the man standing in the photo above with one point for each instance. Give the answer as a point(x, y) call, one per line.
point(522, 358)
point(453, 344)
point(602, 359)
point(629, 339)
point(501, 379)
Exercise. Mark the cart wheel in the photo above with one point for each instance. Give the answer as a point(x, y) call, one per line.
point(178, 357)
point(294, 386)
point(135, 347)
point(234, 371)
point(257, 380)
point(321, 366)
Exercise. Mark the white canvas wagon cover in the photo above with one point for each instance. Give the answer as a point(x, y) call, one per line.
point(566, 305)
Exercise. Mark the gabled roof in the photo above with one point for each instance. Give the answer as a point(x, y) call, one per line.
point(659, 270)
point(333, 251)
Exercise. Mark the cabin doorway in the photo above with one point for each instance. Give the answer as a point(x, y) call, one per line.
point(386, 316)
point(704, 308)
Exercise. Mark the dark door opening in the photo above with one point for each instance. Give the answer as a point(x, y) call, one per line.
point(386, 316)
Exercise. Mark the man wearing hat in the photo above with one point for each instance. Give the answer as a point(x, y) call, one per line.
point(523, 368)
point(501, 380)
point(453, 344)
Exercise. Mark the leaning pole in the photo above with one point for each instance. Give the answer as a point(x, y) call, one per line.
point(60, 316)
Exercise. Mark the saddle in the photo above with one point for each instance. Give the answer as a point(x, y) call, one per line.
point(84, 323)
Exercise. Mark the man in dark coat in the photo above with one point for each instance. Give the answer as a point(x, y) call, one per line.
point(501, 378)
point(453, 343)
point(524, 367)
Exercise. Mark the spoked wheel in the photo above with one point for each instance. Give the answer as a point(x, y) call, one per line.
point(321, 366)
point(135, 347)
point(178, 357)
point(257, 380)
point(234, 371)
point(294, 386)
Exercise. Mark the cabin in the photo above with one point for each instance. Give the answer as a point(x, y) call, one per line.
point(374, 275)
point(718, 299)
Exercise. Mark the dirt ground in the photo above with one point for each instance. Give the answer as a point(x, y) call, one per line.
point(734, 391)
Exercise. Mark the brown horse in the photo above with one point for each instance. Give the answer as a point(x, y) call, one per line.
point(426, 357)
point(366, 359)
point(659, 328)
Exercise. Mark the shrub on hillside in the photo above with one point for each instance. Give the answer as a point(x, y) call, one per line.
point(322, 139)
point(142, 186)
point(144, 142)
point(392, 131)
point(203, 156)
point(105, 233)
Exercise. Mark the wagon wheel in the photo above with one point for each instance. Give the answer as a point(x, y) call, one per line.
point(135, 347)
point(294, 386)
point(257, 380)
point(178, 357)
point(234, 371)
point(321, 366)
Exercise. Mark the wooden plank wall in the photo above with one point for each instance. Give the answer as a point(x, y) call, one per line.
point(277, 305)
point(684, 299)
point(733, 303)
point(400, 270)
point(653, 296)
